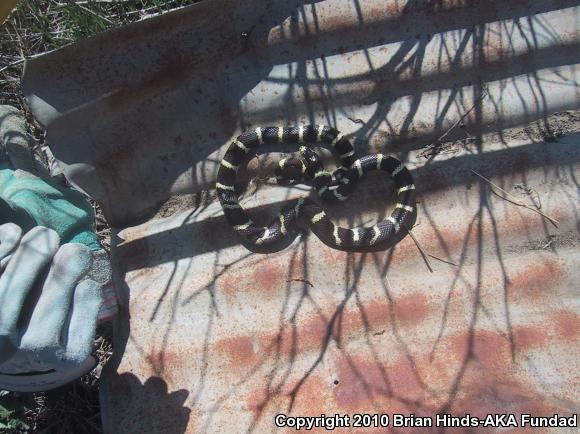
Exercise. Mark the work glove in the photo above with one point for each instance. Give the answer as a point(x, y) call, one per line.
point(54, 275)
point(48, 311)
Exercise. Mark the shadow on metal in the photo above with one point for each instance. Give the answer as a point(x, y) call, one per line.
point(433, 177)
point(167, 414)
point(310, 330)
point(143, 113)
point(157, 105)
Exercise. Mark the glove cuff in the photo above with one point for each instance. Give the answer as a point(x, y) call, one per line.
point(36, 382)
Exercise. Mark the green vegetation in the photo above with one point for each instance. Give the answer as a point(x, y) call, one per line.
point(38, 26)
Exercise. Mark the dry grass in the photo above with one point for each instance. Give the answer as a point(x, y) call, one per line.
point(36, 27)
point(40, 26)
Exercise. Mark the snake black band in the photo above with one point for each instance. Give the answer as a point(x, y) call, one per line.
point(336, 186)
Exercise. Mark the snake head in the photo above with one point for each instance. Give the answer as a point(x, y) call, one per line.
point(311, 160)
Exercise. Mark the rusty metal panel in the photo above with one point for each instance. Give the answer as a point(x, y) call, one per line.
point(155, 102)
point(213, 338)
point(217, 339)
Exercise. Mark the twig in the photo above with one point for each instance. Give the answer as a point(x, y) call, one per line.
point(549, 243)
point(423, 253)
point(356, 121)
point(532, 192)
point(442, 260)
point(93, 13)
point(86, 2)
point(452, 127)
point(301, 280)
point(460, 120)
point(18, 62)
point(515, 201)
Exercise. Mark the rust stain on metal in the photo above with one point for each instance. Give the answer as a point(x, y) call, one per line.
point(362, 382)
point(241, 351)
point(260, 399)
point(265, 279)
point(213, 334)
point(530, 337)
point(567, 325)
point(538, 281)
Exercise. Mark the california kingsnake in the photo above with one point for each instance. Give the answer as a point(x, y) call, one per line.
point(333, 187)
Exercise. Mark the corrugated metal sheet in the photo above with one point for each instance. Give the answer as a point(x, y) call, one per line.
point(155, 102)
point(233, 338)
point(214, 338)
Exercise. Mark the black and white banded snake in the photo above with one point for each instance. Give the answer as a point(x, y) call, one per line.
point(336, 186)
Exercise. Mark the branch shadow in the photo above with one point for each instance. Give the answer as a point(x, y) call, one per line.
point(400, 77)
point(202, 87)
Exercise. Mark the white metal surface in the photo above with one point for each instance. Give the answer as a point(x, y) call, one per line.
point(214, 338)
point(144, 112)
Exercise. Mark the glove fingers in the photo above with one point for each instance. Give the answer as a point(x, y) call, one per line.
point(78, 338)
point(10, 235)
point(70, 264)
point(34, 252)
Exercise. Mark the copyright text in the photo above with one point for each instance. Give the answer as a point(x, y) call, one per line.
point(376, 420)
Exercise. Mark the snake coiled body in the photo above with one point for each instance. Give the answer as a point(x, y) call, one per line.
point(335, 186)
